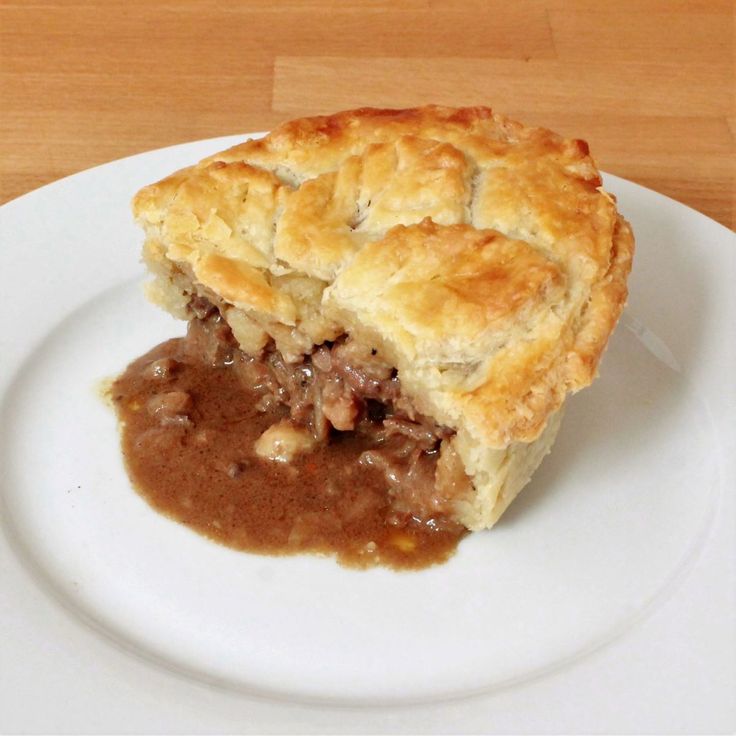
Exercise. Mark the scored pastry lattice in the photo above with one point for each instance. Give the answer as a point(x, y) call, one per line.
point(478, 255)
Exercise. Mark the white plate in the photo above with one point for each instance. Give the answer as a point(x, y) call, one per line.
point(603, 600)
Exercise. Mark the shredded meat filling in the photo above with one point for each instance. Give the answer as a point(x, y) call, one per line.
point(347, 387)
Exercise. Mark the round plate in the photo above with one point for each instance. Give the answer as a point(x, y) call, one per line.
point(606, 531)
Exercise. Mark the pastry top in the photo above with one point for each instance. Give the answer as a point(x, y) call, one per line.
point(481, 256)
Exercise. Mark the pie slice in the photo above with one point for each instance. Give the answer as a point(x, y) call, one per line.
point(438, 278)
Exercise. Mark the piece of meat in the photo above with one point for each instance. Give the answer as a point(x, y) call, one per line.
point(423, 436)
point(410, 476)
point(340, 405)
point(201, 307)
point(160, 370)
point(211, 340)
point(170, 407)
point(367, 374)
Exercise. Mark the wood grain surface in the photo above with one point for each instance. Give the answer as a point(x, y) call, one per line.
point(650, 84)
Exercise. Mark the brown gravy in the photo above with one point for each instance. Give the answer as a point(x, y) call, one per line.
point(197, 466)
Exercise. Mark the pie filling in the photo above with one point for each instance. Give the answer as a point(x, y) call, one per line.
point(324, 455)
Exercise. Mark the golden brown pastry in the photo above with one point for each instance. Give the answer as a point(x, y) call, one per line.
point(477, 257)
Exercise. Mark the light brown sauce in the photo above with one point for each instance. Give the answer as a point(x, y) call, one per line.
point(200, 469)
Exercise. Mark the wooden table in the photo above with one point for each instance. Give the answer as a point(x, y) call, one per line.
point(649, 84)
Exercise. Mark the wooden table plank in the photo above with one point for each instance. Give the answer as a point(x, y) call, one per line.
point(230, 39)
point(640, 36)
point(319, 83)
